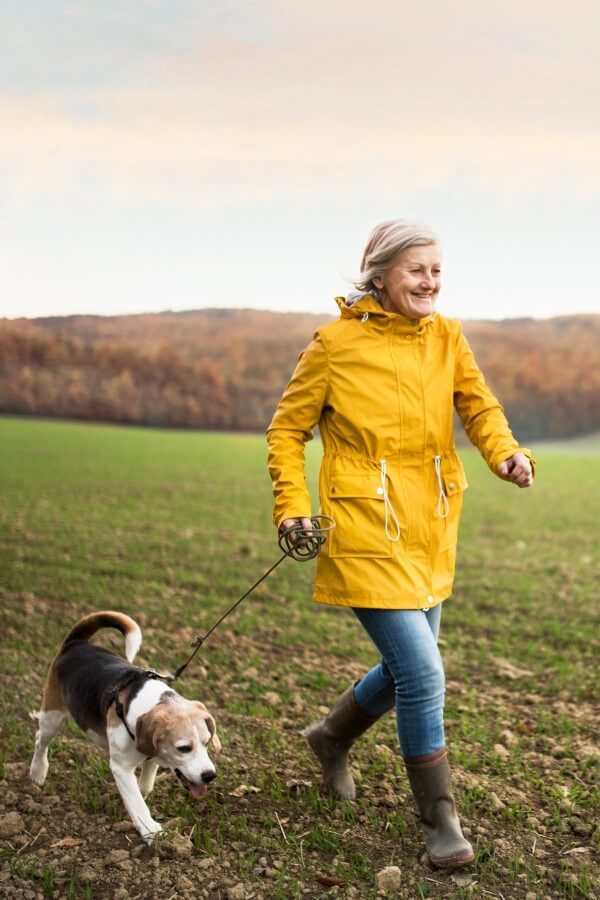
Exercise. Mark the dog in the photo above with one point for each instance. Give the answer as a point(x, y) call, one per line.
point(128, 710)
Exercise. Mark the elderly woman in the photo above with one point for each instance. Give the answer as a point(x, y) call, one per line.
point(382, 383)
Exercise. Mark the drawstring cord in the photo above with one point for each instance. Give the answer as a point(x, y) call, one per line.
point(389, 509)
point(443, 504)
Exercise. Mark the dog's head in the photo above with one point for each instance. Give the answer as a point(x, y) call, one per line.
point(176, 732)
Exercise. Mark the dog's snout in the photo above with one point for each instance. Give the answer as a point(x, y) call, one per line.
point(208, 776)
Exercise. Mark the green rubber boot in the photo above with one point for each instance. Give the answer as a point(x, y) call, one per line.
point(429, 778)
point(331, 739)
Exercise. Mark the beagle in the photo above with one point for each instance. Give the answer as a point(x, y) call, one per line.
point(128, 710)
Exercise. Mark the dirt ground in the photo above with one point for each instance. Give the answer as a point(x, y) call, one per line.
point(73, 838)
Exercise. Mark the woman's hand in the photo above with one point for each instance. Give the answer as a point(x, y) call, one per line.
point(517, 469)
point(306, 524)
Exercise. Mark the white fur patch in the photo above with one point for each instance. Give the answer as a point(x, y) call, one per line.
point(133, 642)
point(144, 700)
point(50, 722)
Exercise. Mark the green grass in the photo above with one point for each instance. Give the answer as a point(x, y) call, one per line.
point(172, 527)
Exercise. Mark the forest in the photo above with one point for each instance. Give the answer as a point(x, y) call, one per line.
point(225, 369)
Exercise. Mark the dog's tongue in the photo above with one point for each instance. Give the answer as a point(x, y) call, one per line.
point(198, 790)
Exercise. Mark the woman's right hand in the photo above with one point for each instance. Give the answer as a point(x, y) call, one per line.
point(517, 469)
point(305, 524)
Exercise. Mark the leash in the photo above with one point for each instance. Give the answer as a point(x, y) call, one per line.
point(296, 542)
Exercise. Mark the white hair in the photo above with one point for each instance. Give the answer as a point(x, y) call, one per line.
point(386, 242)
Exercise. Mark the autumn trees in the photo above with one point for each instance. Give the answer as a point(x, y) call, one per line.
point(225, 369)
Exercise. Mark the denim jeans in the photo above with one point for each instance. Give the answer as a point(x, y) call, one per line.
point(409, 676)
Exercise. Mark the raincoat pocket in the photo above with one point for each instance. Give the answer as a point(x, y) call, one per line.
point(455, 480)
point(356, 502)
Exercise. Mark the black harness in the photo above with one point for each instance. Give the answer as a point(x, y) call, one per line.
point(113, 696)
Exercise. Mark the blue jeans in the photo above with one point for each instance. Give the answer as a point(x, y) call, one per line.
point(409, 676)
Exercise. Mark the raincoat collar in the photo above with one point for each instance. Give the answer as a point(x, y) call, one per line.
point(367, 303)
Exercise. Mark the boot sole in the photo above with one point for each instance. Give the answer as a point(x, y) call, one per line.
point(453, 862)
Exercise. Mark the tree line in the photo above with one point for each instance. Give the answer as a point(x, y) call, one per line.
point(225, 369)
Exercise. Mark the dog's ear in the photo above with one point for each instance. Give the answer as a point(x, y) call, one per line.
point(211, 725)
point(145, 735)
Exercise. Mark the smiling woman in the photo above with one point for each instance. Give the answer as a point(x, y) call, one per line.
point(382, 383)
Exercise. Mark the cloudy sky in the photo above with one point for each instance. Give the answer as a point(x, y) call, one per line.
point(177, 154)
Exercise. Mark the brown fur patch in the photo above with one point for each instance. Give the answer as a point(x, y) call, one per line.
point(93, 622)
point(210, 723)
point(52, 694)
point(112, 719)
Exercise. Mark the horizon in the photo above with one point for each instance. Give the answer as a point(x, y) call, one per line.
point(253, 309)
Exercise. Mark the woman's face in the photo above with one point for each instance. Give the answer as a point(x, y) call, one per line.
point(411, 286)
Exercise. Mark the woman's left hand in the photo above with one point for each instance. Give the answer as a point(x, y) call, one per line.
point(517, 469)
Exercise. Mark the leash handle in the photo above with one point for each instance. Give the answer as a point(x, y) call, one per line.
point(301, 543)
point(296, 542)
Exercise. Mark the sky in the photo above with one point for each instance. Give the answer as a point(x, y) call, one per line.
point(183, 154)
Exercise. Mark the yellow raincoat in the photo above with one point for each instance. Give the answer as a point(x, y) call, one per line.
point(382, 389)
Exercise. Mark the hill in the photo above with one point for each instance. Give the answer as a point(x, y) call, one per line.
point(225, 369)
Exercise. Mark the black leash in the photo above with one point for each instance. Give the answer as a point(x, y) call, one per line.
point(296, 542)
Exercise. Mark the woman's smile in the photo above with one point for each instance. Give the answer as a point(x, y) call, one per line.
point(410, 287)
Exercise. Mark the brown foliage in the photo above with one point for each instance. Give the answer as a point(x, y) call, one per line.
point(546, 373)
point(225, 369)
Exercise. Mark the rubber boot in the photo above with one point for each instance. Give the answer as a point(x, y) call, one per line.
point(331, 739)
point(429, 778)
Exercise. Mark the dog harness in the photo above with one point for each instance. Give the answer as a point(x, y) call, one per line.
point(113, 696)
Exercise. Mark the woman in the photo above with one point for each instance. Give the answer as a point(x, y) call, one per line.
point(382, 383)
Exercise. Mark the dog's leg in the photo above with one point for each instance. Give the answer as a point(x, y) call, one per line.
point(50, 721)
point(147, 776)
point(51, 716)
point(124, 772)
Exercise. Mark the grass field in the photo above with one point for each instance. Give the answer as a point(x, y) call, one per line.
point(172, 527)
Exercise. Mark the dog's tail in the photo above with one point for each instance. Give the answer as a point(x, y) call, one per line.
point(90, 624)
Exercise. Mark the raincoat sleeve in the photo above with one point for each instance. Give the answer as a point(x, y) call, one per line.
point(480, 412)
point(298, 412)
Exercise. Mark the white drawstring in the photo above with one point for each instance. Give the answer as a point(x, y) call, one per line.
point(389, 509)
point(443, 504)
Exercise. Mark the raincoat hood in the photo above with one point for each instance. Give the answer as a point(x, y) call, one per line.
point(358, 304)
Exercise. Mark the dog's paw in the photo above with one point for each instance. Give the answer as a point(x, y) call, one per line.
point(38, 772)
point(150, 830)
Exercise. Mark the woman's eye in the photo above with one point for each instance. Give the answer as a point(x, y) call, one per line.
point(186, 749)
